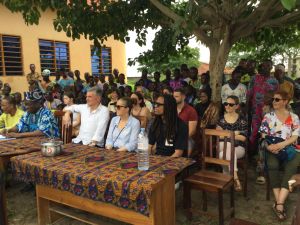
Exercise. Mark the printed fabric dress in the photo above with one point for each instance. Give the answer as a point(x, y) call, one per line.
point(259, 87)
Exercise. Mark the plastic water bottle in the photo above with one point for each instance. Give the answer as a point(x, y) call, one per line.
point(143, 153)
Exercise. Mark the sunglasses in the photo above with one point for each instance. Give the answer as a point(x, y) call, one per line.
point(277, 99)
point(157, 104)
point(230, 104)
point(120, 106)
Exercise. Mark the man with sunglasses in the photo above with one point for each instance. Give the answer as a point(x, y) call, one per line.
point(168, 134)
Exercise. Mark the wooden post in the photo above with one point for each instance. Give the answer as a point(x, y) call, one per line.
point(3, 213)
point(42, 208)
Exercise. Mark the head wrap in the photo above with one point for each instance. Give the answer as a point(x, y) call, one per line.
point(46, 73)
point(35, 95)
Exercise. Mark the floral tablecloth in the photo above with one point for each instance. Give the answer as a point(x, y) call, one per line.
point(20, 145)
point(98, 174)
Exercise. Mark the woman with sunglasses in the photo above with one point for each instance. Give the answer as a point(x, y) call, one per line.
point(234, 122)
point(168, 134)
point(140, 109)
point(124, 128)
point(284, 126)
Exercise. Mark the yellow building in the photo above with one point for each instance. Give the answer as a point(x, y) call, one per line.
point(22, 45)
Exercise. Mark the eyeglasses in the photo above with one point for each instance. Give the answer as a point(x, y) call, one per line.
point(157, 104)
point(277, 99)
point(120, 106)
point(230, 104)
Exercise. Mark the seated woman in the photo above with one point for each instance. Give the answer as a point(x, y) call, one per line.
point(140, 110)
point(234, 122)
point(51, 103)
point(37, 121)
point(114, 96)
point(168, 134)
point(124, 129)
point(208, 112)
point(11, 114)
point(284, 126)
point(68, 101)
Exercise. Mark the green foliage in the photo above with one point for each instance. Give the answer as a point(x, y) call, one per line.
point(187, 55)
point(266, 44)
point(289, 4)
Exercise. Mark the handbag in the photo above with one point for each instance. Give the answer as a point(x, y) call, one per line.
point(285, 154)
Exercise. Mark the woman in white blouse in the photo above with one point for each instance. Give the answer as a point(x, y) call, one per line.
point(124, 128)
point(280, 129)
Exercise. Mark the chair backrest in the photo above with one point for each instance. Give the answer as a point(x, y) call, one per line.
point(64, 130)
point(211, 148)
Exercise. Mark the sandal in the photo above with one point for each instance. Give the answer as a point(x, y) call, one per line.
point(260, 180)
point(237, 185)
point(280, 214)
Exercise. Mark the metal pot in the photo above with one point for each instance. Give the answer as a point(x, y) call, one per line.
point(52, 148)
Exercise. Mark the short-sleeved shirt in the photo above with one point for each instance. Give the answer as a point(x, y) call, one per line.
point(7, 121)
point(188, 113)
point(42, 120)
point(240, 91)
point(240, 125)
point(66, 82)
point(163, 147)
point(272, 126)
point(33, 77)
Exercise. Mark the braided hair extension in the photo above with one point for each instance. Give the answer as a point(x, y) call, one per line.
point(169, 118)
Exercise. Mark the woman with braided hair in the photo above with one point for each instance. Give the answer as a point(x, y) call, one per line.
point(168, 134)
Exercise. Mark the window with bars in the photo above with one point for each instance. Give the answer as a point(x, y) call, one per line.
point(11, 62)
point(101, 61)
point(54, 55)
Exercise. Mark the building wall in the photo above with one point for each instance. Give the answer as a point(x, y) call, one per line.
point(13, 24)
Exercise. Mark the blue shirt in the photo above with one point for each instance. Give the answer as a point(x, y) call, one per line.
point(42, 120)
point(66, 82)
point(126, 137)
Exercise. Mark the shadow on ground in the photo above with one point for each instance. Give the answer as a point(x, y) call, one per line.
point(255, 208)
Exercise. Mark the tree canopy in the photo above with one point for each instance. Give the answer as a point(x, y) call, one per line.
point(218, 24)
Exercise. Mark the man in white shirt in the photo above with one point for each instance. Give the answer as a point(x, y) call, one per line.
point(94, 119)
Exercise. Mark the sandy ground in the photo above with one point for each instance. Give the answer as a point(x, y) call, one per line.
point(22, 207)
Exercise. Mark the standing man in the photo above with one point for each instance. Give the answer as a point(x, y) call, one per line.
point(33, 76)
point(94, 119)
point(144, 81)
point(284, 84)
point(188, 114)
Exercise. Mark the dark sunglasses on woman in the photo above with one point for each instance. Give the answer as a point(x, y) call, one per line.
point(277, 99)
point(230, 104)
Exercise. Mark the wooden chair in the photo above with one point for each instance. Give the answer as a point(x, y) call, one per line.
point(64, 130)
point(210, 181)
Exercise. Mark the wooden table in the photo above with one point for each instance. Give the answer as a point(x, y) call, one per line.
point(101, 182)
point(8, 149)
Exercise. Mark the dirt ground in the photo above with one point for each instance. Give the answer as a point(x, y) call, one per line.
point(22, 207)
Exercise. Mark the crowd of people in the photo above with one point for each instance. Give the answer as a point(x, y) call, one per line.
point(108, 113)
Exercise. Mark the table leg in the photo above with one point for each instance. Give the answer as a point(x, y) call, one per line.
point(3, 212)
point(162, 208)
point(43, 209)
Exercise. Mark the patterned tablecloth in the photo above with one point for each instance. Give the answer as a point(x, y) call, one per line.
point(101, 175)
point(20, 146)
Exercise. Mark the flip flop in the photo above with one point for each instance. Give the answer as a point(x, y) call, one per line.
point(280, 214)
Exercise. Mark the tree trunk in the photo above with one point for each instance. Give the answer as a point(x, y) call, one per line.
point(218, 58)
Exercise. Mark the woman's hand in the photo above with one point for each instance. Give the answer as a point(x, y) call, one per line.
point(275, 148)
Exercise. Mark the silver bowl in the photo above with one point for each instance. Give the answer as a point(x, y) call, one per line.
point(52, 148)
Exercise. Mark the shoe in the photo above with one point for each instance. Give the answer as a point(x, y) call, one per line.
point(280, 214)
point(27, 188)
point(237, 185)
point(260, 180)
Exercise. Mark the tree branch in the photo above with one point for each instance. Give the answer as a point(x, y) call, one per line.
point(290, 17)
point(202, 36)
